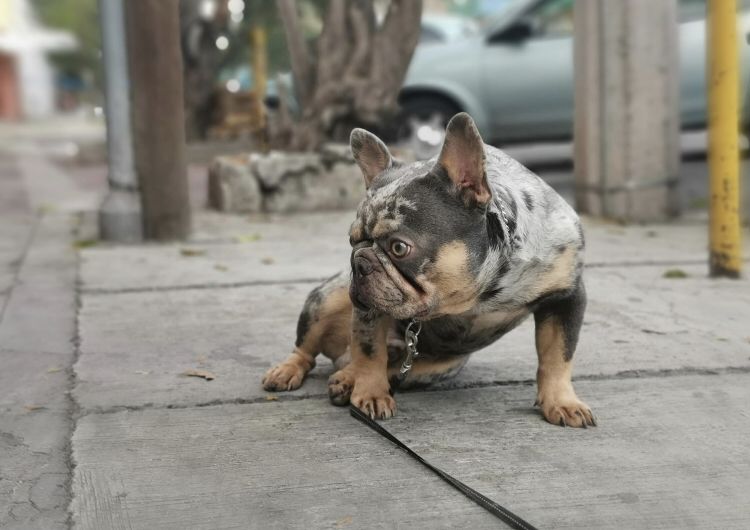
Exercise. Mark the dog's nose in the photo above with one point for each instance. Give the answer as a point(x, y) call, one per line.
point(362, 266)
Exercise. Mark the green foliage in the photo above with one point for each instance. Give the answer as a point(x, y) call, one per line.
point(80, 17)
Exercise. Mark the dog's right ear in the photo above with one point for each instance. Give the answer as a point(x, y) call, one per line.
point(370, 153)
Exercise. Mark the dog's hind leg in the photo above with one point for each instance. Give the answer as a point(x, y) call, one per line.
point(324, 326)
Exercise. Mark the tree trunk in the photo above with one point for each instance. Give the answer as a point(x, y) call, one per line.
point(357, 71)
point(153, 34)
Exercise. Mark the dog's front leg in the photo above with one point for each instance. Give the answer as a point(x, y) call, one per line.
point(364, 381)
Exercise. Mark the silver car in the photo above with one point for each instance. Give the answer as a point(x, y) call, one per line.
point(516, 77)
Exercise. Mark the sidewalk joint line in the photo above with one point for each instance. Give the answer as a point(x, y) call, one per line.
point(280, 397)
point(255, 283)
point(200, 286)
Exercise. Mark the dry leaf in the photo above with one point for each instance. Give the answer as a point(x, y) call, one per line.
point(220, 267)
point(270, 397)
point(54, 369)
point(344, 521)
point(675, 274)
point(32, 408)
point(84, 243)
point(267, 260)
point(205, 374)
point(192, 252)
point(247, 238)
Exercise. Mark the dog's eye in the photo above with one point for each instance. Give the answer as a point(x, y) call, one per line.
point(399, 248)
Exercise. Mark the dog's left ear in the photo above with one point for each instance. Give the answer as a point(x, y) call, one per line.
point(462, 157)
point(370, 153)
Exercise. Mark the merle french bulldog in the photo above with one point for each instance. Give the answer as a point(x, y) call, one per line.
point(468, 244)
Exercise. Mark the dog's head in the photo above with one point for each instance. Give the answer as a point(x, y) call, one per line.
point(420, 235)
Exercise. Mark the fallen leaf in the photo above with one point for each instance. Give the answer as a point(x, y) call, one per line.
point(271, 398)
point(205, 374)
point(54, 369)
point(84, 243)
point(32, 408)
point(267, 260)
point(220, 267)
point(192, 252)
point(344, 521)
point(675, 274)
point(247, 238)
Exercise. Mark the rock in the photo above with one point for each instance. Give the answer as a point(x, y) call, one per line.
point(286, 182)
point(232, 186)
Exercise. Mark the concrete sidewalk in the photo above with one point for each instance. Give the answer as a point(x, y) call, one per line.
point(664, 363)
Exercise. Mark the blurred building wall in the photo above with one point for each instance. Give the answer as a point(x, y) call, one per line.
point(27, 84)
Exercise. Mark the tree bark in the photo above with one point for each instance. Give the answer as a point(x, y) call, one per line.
point(359, 68)
point(299, 54)
point(153, 33)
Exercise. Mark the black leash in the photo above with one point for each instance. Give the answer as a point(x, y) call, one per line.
point(505, 515)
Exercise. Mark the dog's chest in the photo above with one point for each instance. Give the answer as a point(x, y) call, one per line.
point(463, 334)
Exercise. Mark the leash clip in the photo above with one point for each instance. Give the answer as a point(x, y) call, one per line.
point(411, 338)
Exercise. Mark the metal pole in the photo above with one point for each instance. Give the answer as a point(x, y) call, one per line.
point(723, 139)
point(120, 213)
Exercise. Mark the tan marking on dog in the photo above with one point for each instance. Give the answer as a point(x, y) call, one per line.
point(329, 334)
point(356, 232)
point(555, 394)
point(497, 319)
point(423, 367)
point(559, 277)
point(451, 280)
point(383, 227)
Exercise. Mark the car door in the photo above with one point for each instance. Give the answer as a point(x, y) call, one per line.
point(528, 74)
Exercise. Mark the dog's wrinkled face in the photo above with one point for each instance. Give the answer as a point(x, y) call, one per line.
point(420, 234)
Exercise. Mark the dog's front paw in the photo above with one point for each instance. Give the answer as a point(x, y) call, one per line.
point(565, 409)
point(285, 376)
point(340, 386)
point(373, 398)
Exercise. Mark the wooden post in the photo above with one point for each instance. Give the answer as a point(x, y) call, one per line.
point(155, 58)
point(626, 108)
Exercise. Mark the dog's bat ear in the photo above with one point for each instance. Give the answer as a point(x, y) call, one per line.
point(370, 153)
point(462, 158)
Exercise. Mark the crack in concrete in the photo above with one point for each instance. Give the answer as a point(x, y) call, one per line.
point(18, 264)
point(623, 375)
point(74, 411)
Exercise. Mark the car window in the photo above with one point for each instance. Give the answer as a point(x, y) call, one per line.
point(552, 19)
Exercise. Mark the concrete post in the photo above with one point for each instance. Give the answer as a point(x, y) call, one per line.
point(120, 213)
point(626, 149)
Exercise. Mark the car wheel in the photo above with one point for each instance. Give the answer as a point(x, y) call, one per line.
point(421, 125)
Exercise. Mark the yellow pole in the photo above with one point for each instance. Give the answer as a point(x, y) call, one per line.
point(723, 139)
point(259, 58)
